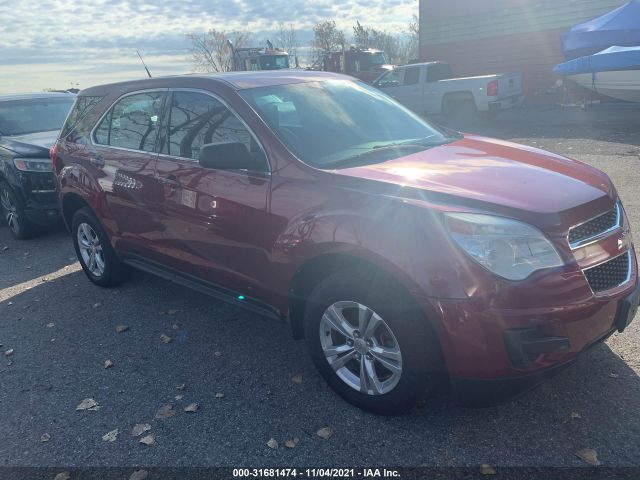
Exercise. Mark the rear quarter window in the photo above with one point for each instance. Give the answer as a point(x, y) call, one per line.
point(81, 107)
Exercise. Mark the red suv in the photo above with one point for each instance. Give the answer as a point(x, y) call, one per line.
point(399, 250)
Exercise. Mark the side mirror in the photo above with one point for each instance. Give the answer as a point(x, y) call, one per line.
point(228, 156)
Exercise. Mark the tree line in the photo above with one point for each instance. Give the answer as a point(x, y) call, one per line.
point(211, 51)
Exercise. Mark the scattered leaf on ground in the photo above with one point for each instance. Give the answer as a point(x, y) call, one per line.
point(217, 354)
point(487, 469)
point(139, 429)
point(297, 378)
point(108, 363)
point(178, 397)
point(165, 411)
point(325, 433)
point(176, 326)
point(110, 436)
point(588, 455)
point(575, 415)
point(148, 440)
point(613, 375)
point(96, 305)
point(122, 328)
point(172, 311)
point(292, 442)
point(219, 395)
point(139, 475)
point(191, 408)
point(45, 437)
point(181, 387)
point(8, 353)
point(51, 325)
point(88, 404)
point(273, 443)
point(165, 338)
point(62, 476)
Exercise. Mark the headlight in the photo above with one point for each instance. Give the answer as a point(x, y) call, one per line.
point(33, 164)
point(508, 248)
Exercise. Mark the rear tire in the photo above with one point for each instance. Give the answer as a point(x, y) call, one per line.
point(13, 213)
point(93, 248)
point(461, 113)
point(398, 355)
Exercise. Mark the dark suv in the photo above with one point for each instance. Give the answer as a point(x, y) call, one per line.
point(399, 250)
point(29, 126)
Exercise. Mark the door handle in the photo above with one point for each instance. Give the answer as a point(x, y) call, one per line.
point(97, 161)
point(171, 185)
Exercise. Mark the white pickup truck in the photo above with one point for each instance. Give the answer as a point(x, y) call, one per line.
point(429, 88)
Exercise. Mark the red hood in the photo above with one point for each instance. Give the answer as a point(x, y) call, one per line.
point(494, 171)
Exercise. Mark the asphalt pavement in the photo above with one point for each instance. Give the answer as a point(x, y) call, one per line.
point(238, 367)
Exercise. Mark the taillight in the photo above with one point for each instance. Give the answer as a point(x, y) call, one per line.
point(53, 154)
point(492, 88)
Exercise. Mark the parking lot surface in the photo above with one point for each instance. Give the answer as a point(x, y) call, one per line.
point(62, 329)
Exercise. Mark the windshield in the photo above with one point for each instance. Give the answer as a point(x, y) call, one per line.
point(274, 62)
point(377, 58)
point(20, 117)
point(339, 123)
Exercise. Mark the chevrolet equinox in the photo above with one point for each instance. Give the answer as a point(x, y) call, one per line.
point(405, 254)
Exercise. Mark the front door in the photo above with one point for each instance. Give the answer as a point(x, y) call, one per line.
point(213, 219)
point(409, 91)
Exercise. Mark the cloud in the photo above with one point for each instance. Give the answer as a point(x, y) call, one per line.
point(53, 43)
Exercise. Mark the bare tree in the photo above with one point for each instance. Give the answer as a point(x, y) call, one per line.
point(210, 50)
point(412, 45)
point(287, 38)
point(327, 38)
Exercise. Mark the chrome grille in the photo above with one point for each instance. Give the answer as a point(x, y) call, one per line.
point(594, 228)
point(609, 274)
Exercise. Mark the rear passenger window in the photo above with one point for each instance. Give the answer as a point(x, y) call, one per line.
point(132, 122)
point(411, 76)
point(197, 119)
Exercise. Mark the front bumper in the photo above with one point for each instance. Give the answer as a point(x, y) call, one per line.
point(38, 194)
point(487, 391)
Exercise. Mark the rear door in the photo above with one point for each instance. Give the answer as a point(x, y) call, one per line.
point(213, 220)
point(124, 156)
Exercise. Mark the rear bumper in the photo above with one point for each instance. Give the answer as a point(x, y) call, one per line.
point(506, 103)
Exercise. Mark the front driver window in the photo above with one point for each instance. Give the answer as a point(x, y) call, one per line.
point(197, 119)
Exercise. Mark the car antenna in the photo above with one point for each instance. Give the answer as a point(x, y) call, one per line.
point(143, 64)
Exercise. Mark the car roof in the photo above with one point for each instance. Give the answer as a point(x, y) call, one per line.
point(32, 96)
point(420, 64)
point(236, 80)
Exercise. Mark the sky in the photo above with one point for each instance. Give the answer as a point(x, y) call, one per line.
point(62, 44)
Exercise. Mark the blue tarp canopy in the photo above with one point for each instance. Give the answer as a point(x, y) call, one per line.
point(613, 58)
point(618, 27)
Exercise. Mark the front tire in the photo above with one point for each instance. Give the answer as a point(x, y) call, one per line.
point(13, 213)
point(98, 259)
point(370, 343)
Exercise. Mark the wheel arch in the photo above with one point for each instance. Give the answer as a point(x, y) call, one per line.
point(71, 203)
point(316, 269)
point(457, 97)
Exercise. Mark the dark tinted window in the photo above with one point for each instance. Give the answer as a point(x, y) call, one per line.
point(132, 122)
point(81, 108)
point(19, 117)
point(197, 119)
point(411, 76)
point(439, 71)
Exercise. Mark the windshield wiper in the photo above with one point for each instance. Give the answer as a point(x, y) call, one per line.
point(379, 148)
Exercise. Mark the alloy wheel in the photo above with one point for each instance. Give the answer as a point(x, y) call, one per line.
point(91, 250)
point(360, 348)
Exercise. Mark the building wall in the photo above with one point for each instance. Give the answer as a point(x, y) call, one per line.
point(493, 36)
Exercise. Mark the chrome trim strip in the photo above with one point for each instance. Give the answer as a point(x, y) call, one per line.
point(626, 280)
point(588, 241)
